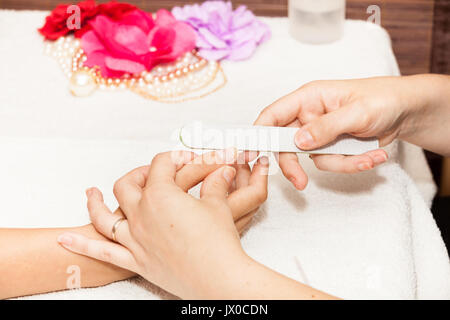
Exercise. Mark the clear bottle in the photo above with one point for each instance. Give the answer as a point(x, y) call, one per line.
point(316, 21)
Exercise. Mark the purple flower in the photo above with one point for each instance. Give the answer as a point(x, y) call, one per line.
point(221, 32)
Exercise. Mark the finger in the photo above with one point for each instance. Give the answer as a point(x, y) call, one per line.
point(103, 220)
point(326, 128)
point(217, 184)
point(246, 157)
point(165, 165)
point(281, 112)
point(201, 166)
point(98, 249)
point(290, 166)
point(242, 177)
point(292, 170)
point(378, 156)
point(243, 174)
point(350, 164)
point(243, 223)
point(246, 199)
point(128, 189)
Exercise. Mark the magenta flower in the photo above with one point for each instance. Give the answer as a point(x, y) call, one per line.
point(136, 42)
point(221, 32)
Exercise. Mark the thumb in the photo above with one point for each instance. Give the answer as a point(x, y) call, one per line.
point(326, 128)
point(94, 200)
point(217, 184)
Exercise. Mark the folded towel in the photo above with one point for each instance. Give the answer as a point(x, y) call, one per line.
point(355, 236)
point(369, 235)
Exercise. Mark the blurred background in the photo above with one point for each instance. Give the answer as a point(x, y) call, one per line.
point(420, 33)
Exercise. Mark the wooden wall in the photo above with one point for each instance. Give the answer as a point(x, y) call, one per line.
point(410, 25)
point(419, 28)
point(440, 58)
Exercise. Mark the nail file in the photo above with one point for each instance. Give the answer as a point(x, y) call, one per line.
point(198, 135)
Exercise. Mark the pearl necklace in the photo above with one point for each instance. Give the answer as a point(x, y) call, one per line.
point(170, 82)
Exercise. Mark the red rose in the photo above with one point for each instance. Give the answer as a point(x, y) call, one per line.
point(114, 10)
point(56, 23)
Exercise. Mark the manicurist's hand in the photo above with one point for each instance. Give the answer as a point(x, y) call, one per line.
point(415, 109)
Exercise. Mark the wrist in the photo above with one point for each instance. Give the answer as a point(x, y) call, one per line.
point(421, 96)
point(247, 279)
point(223, 278)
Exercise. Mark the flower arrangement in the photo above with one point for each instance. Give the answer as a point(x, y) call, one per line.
point(119, 45)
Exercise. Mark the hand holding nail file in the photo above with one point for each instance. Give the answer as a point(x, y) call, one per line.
point(198, 135)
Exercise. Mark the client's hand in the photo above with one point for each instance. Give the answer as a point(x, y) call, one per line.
point(248, 190)
point(180, 243)
point(385, 107)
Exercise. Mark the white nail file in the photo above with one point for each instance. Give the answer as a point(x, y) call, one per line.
point(198, 135)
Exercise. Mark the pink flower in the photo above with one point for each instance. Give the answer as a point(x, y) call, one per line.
point(135, 42)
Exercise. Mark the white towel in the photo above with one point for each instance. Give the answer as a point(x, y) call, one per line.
point(350, 235)
point(369, 235)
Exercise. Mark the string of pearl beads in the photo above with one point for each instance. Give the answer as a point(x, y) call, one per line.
point(185, 75)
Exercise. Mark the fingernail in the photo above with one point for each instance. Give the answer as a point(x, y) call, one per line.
point(230, 154)
point(89, 192)
point(177, 157)
point(264, 161)
point(227, 155)
point(380, 158)
point(364, 166)
point(294, 181)
point(65, 239)
point(247, 156)
point(228, 174)
point(244, 157)
point(303, 138)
